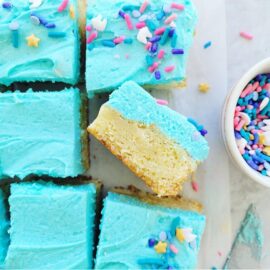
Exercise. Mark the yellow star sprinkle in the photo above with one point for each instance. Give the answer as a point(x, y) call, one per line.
point(72, 12)
point(180, 235)
point(32, 41)
point(204, 87)
point(266, 150)
point(261, 139)
point(161, 247)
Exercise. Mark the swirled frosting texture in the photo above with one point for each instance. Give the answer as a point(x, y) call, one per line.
point(4, 237)
point(40, 133)
point(136, 104)
point(55, 59)
point(127, 224)
point(107, 68)
point(51, 226)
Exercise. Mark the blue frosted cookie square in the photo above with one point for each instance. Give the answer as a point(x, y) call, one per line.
point(148, 233)
point(42, 133)
point(144, 41)
point(52, 226)
point(4, 224)
point(39, 41)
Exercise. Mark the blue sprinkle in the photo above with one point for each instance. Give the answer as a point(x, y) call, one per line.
point(128, 41)
point(50, 25)
point(263, 156)
point(108, 43)
point(263, 172)
point(160, 15)
point(174, 225)
point(207, 44)
point(171, 33)
point(151, 25)
point(155, 39)
point(15, 38)
point(165, 36)
point(54, 34)
point(91, 46)
point(194, 123)
point(267, 165)
point(129, 7)
point(237, 135)
point(174, 41)
point(121, 14)
point(256, 138)
point(154, 47)
point(252, 164)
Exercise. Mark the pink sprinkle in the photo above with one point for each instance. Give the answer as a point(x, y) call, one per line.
point(195, 186)
point(153, 67)
point(148, 45)
point(162, 102)
point(160, 31)
point(259, 89)
point(267, 86)
point(128, 21)
point(219, 254)
point(247, 90)
point(140, 25)
point(255, 146)
point(255, 86)
point(174, 249)
point(236, 121)
point(171, 18)
point(240, 125)
point(169, 69)
point(92, 36)
point(119, 40)
point(161, 54)
point(143, 7)
point(261, 167)
point(88, 28)
point(246, 35)
point(238, 109)
point(63, 6)
point(242, 151)
point(177, 6)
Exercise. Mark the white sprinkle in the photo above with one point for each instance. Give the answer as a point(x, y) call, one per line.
point(267, 138)
point(264, 103)
point(143, 34)
point(266, 121)
point(136, 13)
point(14, 26)
point(241, 143)
point(35, 3)
point(265, 128)
point(99, 24)
point(143, 18)
point(245, 117)
point(35, 20)
point(173, 24)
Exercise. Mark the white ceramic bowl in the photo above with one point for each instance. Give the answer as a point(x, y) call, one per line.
point(228, 117)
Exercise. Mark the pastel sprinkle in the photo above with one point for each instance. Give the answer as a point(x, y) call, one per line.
point(128, 22)
point(152, 242)
point(88, 28)
point(72, 12)
point(195, 186)
point(63, 6)
point(162, 102)
point(56, 34)
point(140, 25)
point(204, 87)
point(163, 236)
point(143, 7)
point(7, 5)
point(169, 69)
point(92, 37)
point(171, 18)
point(121, 14)
point(174, 249)
point(246, 35)
point(177, 51)
point(35, 3)
point(153, 67)
point(119, 40)
point(161, 247)
point(99, 24)
point(207, 45)
point(35, 20)
point(177, 6)
point(160, 31)
point(143, 35)
point(14, 26)
point(161, 54)
point(108, 43)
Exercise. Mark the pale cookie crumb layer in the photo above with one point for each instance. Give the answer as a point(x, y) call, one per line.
point(161, 163)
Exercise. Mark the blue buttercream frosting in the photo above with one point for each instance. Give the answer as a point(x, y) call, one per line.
point(40, 133)
point(51, 226)
point(57, 56)
point(109, 65)
point(136, 104)
point(127, 226)
point(4, 237)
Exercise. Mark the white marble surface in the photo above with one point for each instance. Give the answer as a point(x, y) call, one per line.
point(251, 16)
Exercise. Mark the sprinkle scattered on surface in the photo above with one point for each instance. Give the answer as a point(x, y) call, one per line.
point(63, 5)
point(195, 186)
point(204, 87)
point(33, 41)
point(162, 102)
point(207, 45)
point(246, 35)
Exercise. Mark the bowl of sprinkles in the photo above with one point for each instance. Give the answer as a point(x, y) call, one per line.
point(246, 123)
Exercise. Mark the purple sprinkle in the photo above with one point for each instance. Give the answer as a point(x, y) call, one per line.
point(158, 75)
point(151, 242)
point(171, 32)
point(203, 132)
point(177, 51)
point(155, 39)
point(121, 14)
point(50, 25)
point(7, 5)
point(154, 47)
